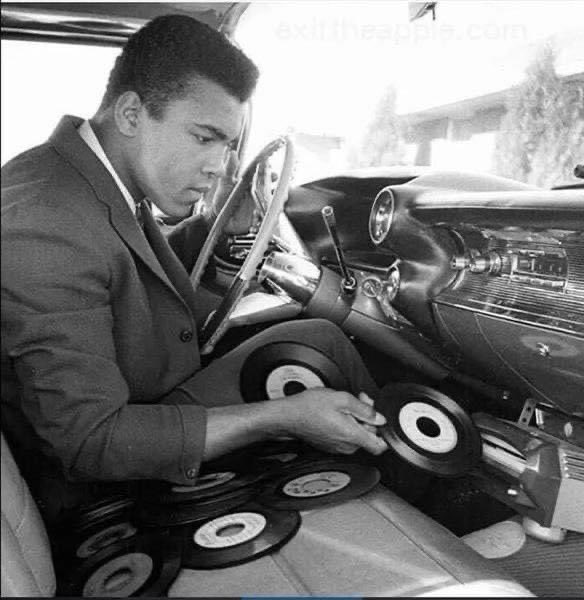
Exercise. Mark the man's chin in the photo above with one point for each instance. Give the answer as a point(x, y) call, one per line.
point(176, 211)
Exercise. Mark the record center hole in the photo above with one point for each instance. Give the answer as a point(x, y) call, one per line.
point(428, 427)
point(293, 387)
point(118, 579)
point(229, 530)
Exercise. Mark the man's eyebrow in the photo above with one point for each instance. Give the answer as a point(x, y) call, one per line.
point(214, 130)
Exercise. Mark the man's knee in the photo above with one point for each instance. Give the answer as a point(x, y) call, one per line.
point(311, 331)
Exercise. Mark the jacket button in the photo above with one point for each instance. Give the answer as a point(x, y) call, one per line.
point(191, 473)
point(186, 335)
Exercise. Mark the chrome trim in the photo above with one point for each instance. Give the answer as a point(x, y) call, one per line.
point(381, 216)
point(290, 276)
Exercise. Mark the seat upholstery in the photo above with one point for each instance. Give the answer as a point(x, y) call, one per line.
point(27, 566)
point(375, 545)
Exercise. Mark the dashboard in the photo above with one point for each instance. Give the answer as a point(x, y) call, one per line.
point(469, 274)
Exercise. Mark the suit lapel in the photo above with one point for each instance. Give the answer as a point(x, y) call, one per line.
point(70, 146)
point(168, 259)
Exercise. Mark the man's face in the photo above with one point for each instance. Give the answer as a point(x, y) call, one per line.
point(179, 157)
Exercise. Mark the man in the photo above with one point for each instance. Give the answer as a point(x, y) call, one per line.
point(100, 364)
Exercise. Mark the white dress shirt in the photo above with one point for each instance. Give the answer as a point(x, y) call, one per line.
point(88, 135)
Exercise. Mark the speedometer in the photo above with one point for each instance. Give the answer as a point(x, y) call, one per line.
point(381, 216)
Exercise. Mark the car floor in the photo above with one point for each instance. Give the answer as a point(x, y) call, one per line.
point(546, 569)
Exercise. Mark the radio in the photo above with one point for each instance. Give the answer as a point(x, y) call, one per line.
point(543, 267)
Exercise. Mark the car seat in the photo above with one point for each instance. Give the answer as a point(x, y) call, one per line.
point(27, 566)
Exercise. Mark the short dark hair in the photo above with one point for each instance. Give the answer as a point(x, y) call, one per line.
point(161, 59)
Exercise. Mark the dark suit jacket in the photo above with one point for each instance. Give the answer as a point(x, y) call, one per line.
point(97, 336)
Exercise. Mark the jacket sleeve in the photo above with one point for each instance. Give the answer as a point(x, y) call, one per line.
point(58, 334)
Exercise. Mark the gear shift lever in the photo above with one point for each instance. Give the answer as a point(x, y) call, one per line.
point(349, 282)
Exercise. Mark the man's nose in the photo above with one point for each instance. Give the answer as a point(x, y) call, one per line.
point(216, 163)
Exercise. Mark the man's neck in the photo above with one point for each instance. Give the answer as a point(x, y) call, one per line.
point(115, 150)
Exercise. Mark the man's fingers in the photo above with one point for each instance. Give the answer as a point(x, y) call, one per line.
point(373, 443)
point(364, 411)
point(232, 164)
point(367, 427)
point(365, 398)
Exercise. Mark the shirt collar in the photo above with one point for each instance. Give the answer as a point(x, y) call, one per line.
point(87, 134)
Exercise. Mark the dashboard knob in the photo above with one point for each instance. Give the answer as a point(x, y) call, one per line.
point(478, 263)
point(460, 263)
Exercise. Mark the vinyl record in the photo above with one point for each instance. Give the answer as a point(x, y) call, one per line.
point(276, 456)
point(208, 485)
point(284, 368)
point(145, 565)
point(92, 543)
point(172, 515)
point(92, 528)
point(317, 484)
point(98, 514)
point(428, 429)
point(237, 537)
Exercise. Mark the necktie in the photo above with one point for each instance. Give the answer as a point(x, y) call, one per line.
point(165, 255)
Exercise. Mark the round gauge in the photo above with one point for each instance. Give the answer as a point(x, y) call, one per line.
point(381, 216)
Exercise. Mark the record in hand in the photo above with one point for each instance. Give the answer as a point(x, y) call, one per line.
point(285, 368)
point(145, 565)
point(171, 515)
point(318, 484)
point(237, 537)
point(428, 429)
point(207, 485)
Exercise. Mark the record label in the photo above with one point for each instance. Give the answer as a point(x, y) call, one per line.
point(316, 484)
point(428, 427)
point(101, 539)
point(230, 530)
point(208, 485)
point(120, 577)
point(313, 484)
point(282, 369)
point(205, 482)
point(143, 565)
point(239, 537)
point(291, 379)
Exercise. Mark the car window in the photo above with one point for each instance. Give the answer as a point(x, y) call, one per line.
point(488, 86)
point(41, 82)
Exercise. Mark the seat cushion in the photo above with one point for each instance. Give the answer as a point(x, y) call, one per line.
point(27, 566)
point(376, 545)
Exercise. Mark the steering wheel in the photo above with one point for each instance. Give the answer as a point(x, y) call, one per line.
point(217, 323)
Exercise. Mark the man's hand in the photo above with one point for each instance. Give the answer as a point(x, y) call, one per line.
point(242, 218)
point(334, 421)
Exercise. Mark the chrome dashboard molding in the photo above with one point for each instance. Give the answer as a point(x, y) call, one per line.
point(560, 310)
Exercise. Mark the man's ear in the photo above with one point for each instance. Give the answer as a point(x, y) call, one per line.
point(127, 111)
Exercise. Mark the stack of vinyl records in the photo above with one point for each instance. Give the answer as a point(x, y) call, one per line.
point(104, 553)
point(135, 547)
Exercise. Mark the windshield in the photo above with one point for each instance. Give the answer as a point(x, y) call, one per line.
point(493, 87)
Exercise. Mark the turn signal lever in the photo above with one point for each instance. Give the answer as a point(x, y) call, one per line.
point(349, 283)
